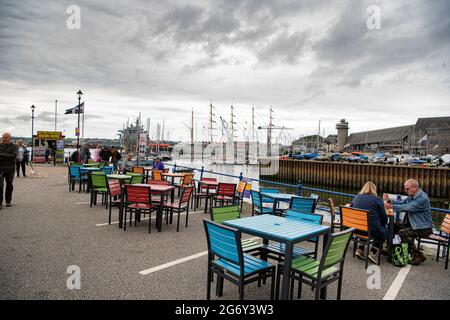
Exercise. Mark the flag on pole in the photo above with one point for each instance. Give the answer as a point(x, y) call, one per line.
point(423, 139)
point(74, 110)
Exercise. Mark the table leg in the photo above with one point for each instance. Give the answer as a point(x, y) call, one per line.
point(159, 213)
point(206, 200)
point(390, 237)
point(287, 271)
point(274, 209)
point(121, 211)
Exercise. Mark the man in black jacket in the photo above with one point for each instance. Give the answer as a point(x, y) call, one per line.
point(8, 155)
point(105, 154)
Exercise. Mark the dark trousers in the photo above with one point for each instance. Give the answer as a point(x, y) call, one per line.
point(18, 166)
point(7, 177)
point(408, 234)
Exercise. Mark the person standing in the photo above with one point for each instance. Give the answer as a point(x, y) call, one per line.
point(8, 155)
point(105, 154)
point(420, 222)
point(97, 151)
point(115, 157)
point(22, 158)
point(85, 154)
point(47, 154)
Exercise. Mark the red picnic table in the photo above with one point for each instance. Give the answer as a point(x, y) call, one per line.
point(162, 191)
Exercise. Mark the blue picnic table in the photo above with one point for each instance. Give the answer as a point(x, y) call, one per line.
point(284, 230)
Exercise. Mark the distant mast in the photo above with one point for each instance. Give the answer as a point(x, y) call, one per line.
point(211, 122)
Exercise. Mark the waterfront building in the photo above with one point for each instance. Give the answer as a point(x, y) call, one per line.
point(426, 136)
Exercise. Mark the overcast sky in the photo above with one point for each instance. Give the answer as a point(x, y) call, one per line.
point(310, 60)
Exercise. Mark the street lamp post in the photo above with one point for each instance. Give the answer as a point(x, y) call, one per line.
point(32, 131)
point(79, 93)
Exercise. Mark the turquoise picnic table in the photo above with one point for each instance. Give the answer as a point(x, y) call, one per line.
point(278, 197)
point(287, 231)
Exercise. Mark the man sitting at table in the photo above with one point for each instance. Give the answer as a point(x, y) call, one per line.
point(127, 165)
point(420, 223)
point(158, 164)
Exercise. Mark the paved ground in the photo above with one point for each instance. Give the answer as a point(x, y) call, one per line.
point(49, 229)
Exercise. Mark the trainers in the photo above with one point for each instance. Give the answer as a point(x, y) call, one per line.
point(360, 254)
point(373, 256)
point(8, 204)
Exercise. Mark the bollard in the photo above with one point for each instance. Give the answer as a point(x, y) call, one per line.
point(299, 186)
point(201, 173)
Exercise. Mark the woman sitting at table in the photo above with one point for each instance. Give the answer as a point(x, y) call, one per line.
point(367, 199)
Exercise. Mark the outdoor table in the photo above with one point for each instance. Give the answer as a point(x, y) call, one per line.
point(172, 182)
point(173, 176)
point(93, 165)
point(278, 197)
point(120, 177)
point(160, 190)
point(208, 184)
point(132, 174)
point(283, 230)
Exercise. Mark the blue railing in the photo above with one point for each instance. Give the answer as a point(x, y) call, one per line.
point(299, 186)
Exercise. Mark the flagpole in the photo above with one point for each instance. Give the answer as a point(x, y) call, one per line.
point(78, 127)
point(56, 111)
point(82, 132)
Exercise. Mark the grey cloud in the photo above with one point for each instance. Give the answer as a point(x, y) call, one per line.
point(250, 51)
point(359, 52)
point(284, 48)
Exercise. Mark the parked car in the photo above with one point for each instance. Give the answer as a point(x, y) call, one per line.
point(336, 157)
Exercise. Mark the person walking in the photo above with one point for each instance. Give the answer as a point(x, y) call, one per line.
point(8, 155)
point(22, 158)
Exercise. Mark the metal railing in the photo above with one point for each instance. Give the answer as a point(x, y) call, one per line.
point(299, 186)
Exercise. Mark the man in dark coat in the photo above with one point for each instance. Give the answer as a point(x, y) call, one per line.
point(8, 155)
point(105, 154)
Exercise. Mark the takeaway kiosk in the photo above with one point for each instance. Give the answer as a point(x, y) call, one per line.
point(53, 141)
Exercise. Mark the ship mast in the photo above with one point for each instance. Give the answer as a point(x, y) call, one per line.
point(232, 124)
point(211, 122)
